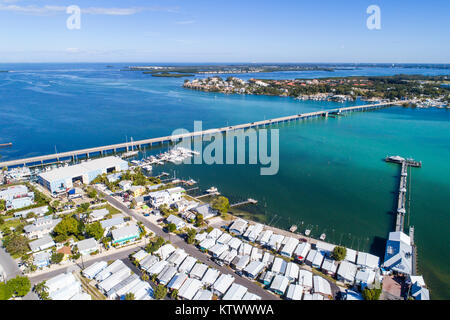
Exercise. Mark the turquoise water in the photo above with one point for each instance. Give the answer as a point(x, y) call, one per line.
point(331, 178)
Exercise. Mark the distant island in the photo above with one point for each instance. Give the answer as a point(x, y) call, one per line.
point(170, 74)
point(429, 91)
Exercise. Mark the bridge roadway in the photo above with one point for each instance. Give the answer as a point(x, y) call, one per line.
point(149, 142)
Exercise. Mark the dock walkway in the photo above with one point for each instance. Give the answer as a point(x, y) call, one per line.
point(111, 149)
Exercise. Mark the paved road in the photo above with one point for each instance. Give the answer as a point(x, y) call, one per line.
point(8, 264)
point(79, 265)
point(193, 251)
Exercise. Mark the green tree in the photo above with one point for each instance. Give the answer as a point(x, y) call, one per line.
point(174, 294)
point(95, 230)
point(56, 257)
point(221, 204)
point(67, 226)
point(129, 296)
point(2, 205)
point(144, 276)
point(339, 253)
point(19, 286)
point(191, 233)
point(5, 291)
point(199, 220)
point(92, 194)
point(171, 227)
point(160, 292)
point(371, 294)
point(16, 244)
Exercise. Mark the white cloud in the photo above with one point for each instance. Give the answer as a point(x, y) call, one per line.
point(186, 22)
point(48, 10)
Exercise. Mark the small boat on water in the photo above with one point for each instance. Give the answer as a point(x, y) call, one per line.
point(212, 190)
point(307, 232)
point(190, 182)
point(323, 236)
point(293, 228)
point(130, 154)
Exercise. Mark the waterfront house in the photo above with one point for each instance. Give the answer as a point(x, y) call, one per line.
point(301, 251)
point(325, 248)
point(367, 260)
point(275, 241)
point(87, 246)
point(279, 266)
point(189, 289)
point(177, 281)
point(41, 259)
point(365, 277)
point(279, 284)
point(253, 269)
point(264, 237)
point(399, 252)
point(314, 258)
point(255, 232)
point(347, 272)
point(322, 286)
point(289, 247)
point(419, 293)
point(42, 244)
point(177, 221)
point(222, 284)
point(248, 230)
point(238, 227)
point(41, 227)
point(295, 292)
point(203, 295)
point(329, 266)
point(185, 205)
point(292, 270)
point(125, 234)
point(210, 277)
point(206, 211)
point(305, 279)
point(235, 292)
point(198, 271)
point(350, 255)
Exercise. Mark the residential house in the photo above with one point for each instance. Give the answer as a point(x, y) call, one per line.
point(42, 244)
point(125, 234)
point(87, 246)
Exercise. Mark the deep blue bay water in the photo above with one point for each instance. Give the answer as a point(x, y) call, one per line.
point(331, 178)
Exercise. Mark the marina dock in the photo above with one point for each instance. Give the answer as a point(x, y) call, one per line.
point(248, 201)
point(140, 144)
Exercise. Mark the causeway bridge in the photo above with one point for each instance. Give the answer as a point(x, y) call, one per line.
point(114, 148)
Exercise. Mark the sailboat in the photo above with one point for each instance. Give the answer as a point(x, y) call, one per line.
point(131, 153)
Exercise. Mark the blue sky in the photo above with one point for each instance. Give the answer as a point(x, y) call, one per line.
point(225, 31)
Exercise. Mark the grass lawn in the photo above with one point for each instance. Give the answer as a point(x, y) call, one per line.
point(7, 224)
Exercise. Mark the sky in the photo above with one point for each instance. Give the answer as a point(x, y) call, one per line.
point(259, 31)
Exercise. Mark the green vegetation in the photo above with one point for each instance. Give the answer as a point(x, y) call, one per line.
point(170, 75)
point(66, 227)
point(160, 292)
point(199, 222)
point(174, 294)
point(339, 253)
point(221, 204)
point(56, 257)
point(17, 287)
point(371, 294)
point(129, 296)
point(154, 245)
point(2, 205)
point(95, 230)
point(171, 227)
point(16, 244)
point(191, 233)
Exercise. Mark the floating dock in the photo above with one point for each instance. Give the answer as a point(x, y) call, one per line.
point(140, 144)
point(248, 201)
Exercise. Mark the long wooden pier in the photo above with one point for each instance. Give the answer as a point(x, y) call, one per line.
point(111, 149)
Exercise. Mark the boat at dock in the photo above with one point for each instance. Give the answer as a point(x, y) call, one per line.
point(212, 190)
point(129, 154)
point(307, 232)
point(322, 236)
point(293, 228)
